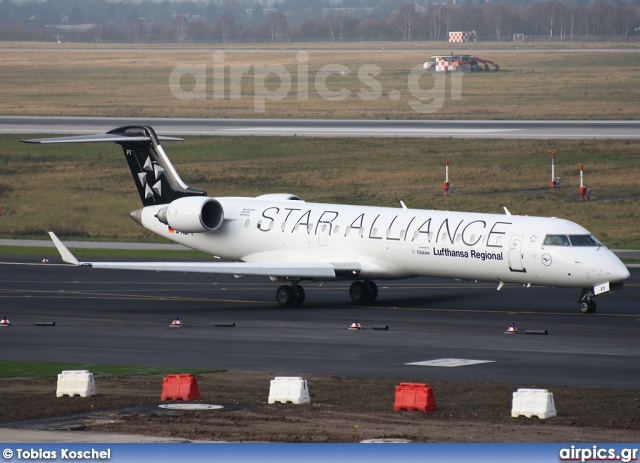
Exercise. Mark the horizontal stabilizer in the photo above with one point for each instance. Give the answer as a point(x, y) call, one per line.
point(107, 137)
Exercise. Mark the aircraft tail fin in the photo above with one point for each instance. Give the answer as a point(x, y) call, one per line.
point(154, 175)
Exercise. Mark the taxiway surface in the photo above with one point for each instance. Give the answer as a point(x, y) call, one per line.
point(331, 128)
point(118, 317)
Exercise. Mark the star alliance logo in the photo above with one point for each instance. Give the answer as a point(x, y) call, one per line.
point(153, 168)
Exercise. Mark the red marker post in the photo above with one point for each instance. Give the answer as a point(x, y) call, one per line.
point(583, 189)
point(445, 184)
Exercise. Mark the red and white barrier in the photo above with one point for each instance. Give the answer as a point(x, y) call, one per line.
point(468, 36)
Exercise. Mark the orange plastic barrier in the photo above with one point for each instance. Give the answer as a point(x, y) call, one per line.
point(411, 396)
point(180, 387)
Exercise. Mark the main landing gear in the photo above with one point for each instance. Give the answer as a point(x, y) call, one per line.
point(361, 292)
point(290, 295)
point(586, 302)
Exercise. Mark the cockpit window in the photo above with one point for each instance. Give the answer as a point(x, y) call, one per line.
point(557, 240)
point(572, 240)
point(584, 240)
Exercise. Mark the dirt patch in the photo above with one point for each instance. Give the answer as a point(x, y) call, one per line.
point(342, 409)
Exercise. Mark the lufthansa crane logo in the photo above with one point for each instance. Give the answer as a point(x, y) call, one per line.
point(153, 185)
point(546, 259)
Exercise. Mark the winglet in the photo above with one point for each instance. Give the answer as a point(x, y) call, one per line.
point(62, 249)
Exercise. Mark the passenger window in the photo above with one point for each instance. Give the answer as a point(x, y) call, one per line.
point(247, 223)
point(556, 240)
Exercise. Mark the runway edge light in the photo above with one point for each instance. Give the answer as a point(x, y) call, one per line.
point(512, 329)
point(5, 321)
point(355, 325)
point(176, 323)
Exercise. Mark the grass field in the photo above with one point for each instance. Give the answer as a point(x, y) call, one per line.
point(86, 191)
point(128, 82)
point(11, 369)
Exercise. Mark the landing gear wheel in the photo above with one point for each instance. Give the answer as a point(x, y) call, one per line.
point(588, 306)
point(299, 295)
point(363, 291)
point(358, 292)
point(372, 289)
point(285, 295)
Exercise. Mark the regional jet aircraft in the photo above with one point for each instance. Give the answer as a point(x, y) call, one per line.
point(289, 240)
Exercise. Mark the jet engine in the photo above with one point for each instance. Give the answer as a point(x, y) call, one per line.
point(192, 214)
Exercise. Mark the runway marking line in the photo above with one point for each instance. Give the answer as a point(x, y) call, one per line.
point(449, 362)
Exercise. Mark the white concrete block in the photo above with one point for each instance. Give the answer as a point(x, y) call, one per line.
point(289, 389)
point(533, 402)
point(76, 382)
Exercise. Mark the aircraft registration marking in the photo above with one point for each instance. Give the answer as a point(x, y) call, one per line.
point(449, 363)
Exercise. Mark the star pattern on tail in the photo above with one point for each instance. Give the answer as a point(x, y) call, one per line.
point(152, 186)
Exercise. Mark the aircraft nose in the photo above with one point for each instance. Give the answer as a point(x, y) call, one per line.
point(619, 273)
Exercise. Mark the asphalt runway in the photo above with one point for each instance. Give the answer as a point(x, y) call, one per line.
point(119, 317)
point(310, 47)
point(331, 128)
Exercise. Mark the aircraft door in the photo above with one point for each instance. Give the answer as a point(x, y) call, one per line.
point(323, 232)
point(515, 254)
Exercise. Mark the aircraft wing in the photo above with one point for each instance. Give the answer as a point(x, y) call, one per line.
point(320, 270)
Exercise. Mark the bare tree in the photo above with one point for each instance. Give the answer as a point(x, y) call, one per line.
point(277, 23)
point(436, 16)
point(225, 24)
point(499, 12)
point(180, 26)
point(335, 27)
point(97, 32)
point(572, 9)
point(137, 29)
point(406, 17)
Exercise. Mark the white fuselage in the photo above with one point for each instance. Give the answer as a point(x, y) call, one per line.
point(390, 243)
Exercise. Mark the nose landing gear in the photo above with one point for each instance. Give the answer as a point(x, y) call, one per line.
point(586, 302)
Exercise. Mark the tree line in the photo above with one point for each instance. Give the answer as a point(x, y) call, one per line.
point(312, 20)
